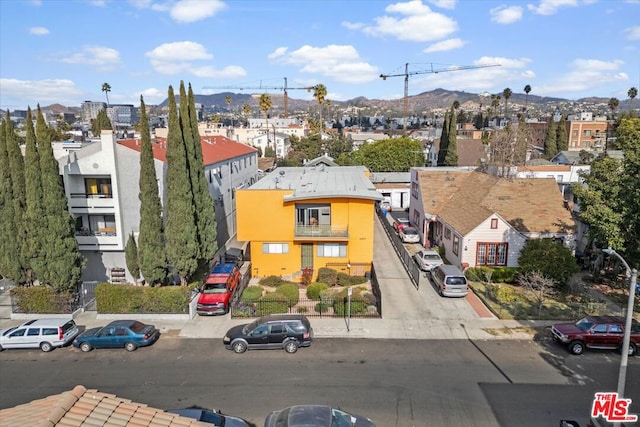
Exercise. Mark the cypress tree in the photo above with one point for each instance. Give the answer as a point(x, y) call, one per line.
point(205, 210)
point(181, 232)
point(562, 138)
point(444, 140)
point(151, 253)
point(10, 265)
point(550, 141)
point(451, 157)
point(100, 123)
point(34, 220)
point(131, 257)
point(64, 262)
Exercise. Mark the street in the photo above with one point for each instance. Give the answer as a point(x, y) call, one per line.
point(394, 382)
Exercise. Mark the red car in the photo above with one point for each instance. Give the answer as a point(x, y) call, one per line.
point(600, 332)
point(217, 290)
point(400, 223)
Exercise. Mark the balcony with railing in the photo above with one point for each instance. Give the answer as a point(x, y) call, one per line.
point(101, 236)
point(91, 200)
point(315, 232)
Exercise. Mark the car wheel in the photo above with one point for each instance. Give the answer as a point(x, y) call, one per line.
point(632, 349)
point(291, 347)
point(86, 347)
point(239, 347)
point(1, 349)
point(130, 346)
point(46, 347)
point(576, 347)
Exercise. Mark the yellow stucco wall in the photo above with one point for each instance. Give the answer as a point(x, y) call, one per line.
point(264, 217)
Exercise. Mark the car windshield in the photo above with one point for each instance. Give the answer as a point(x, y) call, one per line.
point(251, 326)
point(340, 419)
point(214, 288)
point(410, 231)
point(584, 324)
point(431, 257)
point(8, 331)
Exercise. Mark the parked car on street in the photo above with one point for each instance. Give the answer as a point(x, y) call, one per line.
point(427, 260)
point(286, 331)
point(400, 223)
point(599, 332)
point(315, 415)
point(409, 235)
point(45, 334)
point(127, 334)
point(212, 416)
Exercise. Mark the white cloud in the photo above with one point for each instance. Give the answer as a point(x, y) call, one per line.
point(353, 25)
point(103, 58)
point(550, 7)
point(39, 91)
point(632, 33)
point(444, 4)
point(186, 11)
point(585, 75)
point(177, 57)
point(506, 14)
point(417, 23)
point(38, 31)
point(151, 95)
point(445, 45)
point(339, 62)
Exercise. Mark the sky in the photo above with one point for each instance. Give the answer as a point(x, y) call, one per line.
point(62, 51)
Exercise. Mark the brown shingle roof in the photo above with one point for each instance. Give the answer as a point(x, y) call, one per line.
point(464, 199)
point(82, 408)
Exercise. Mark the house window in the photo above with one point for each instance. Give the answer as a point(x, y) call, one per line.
point(494, 223)
point(414, 190)
point(587, 132)
point(456, 245)
point(447, 233)
point(332, 250)
point(491, 254)
point(313, 214)
point(275, 248)
point(98, 187)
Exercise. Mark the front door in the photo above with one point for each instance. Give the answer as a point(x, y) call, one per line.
point(307, 256)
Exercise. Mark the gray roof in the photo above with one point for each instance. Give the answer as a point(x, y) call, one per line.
point(390, 177)
point(320, 182)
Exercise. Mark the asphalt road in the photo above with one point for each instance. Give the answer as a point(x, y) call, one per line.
point(400, 383)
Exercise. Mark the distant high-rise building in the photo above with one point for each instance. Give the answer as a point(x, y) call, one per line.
point(123, 115)
point(90, 110)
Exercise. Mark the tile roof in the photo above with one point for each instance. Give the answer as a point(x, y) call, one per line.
point(215, 148)
point(83, 407)
point(465, 199)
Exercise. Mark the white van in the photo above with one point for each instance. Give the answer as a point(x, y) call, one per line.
point(45, 334)
point(451, 282)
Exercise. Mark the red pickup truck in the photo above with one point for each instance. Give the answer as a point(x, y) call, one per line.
point(601, 332)
point(217, 289)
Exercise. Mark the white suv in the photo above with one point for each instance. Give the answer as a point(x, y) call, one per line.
point(45, 334)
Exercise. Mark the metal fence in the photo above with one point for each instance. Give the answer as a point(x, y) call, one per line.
point(407, 260)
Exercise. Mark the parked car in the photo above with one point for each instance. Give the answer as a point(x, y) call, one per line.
point(218, 288)
point(600, 332)
point(400, 223)
point(45, 334)
point(409, 235)
point(427, 260)
point(127, 334)
point(450, 281)
point(385, 206)
point(287, 331)
point(315, 415)
point(211, 416)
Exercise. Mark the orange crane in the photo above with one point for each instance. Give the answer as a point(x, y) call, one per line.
point(408, 73)
point(284, 88)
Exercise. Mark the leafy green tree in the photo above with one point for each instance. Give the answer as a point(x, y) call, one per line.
point(562, 140)
point(551, 139)
point(100, 123)
point(550, 259)
point(181, 231)
point(205, 215)
point(33, 246)
point(506, 93)
point(628, 139)
point(151, 250)
point(390, 155)
point(131, 257)
point(10, 243)
point(451, 158)
point(64, 262)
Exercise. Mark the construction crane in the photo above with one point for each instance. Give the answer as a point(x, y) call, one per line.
point(284, 88)
point(408, 73)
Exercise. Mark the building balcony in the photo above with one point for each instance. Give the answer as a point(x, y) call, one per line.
point(97, 240)
point(82, 200)
point(315, 232)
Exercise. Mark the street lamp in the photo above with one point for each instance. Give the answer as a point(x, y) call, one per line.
point(633, 273)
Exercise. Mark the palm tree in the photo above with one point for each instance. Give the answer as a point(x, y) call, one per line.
point(265, 106)
point(319, 93)
point(527, 89)
point(227, 99)
point(507, 94)
point(495, 103)
point(246, 110)
point(106, 88)
point(456, 104)
point(633, 92)
point(613, 104)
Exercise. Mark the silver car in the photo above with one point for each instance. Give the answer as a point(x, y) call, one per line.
point(45, 334)
point(315, 415)
point(427, 260)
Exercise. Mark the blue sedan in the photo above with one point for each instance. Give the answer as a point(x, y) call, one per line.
point(127, 334)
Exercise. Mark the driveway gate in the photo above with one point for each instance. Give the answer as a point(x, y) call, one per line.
point(88, 295)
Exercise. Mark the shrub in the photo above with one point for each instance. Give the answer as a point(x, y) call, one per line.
point(251, 293)
point(358, 302)
point(302, 309)
point(272, 303)
point(328, 276)
point(307, 275)
point(327, 295)
point(272, 281)
point(343, 279)
point(358, 280)
point(321, 307)
point(505, 274)
point(41, 299)
point(506, 294)
point(314, 289)
point(289, 291)
point(122, 299)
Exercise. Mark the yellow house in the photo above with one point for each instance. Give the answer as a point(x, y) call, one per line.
point(308, 217)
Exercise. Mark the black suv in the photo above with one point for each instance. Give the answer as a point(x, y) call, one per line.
point(287, 331)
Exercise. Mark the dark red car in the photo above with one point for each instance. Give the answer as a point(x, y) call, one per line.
point(599, 332)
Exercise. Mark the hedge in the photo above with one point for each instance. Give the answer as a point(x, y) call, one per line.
point(123, 299)
point(41, 300)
